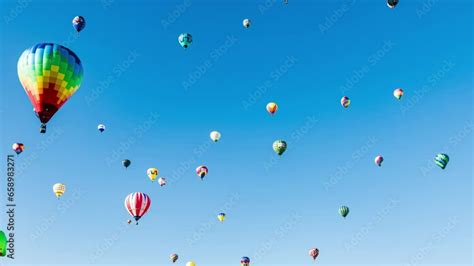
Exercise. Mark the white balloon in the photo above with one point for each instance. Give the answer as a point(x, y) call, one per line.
point(246, 23)
point(215, 136)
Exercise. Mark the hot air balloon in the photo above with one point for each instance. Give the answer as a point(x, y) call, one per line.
point(314, 252)
point(202, 171)
point(162, 181)
point(378, 160)
point(126, 163)
point(190, 263)
point(137, 204)
point(152, 173)
point(272, 107)
point(245, 261)
point(344, 211)
point(221, 216)
point(3, 244)
point(18, 148)
point(101, 127)
point(50, 74)
point(345, 101)
point(442, 160)
point(246, 23)
point(215, 136)
point(174, 257)
point(185, 40)
point(59, 189)
point(129, 221)
point(279, 146)
point(392, 3)
point(398, 93)
point(79, 23)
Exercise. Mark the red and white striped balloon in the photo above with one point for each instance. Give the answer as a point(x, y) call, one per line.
point(137, 204)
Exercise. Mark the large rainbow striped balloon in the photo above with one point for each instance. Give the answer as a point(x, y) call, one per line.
point(50, 74)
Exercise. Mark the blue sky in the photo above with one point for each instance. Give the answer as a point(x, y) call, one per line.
point(160, 103)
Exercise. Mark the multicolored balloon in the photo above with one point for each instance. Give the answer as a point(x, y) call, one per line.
point(215, 136)
point(137, 204)
point(398, 93)
point(101, 128)
point(442, 160)
point(79, 23)
point(129, 221)
point(221, 216)
point(344, 211)
point(246, 23)
point(244, 261)
point(152, 173)
point(279, 146)
point(202, 171)
point(345, 101)
point(126, 163)
point(59, 189)
point(190, 263)
point(314, 252)
point(174, 257)
point(50, 74)
point(18, 148)
point(272, 108)
point(161, 181)
point(392, 3)
point(378, 160)
point(185, 40)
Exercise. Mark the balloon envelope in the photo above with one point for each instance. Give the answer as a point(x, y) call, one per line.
point(245, 261)
point(246, 23)
point(18, 148)
point(79, 23)
point(215, 136)
point(279, 146)
point(126, 163)
point(101, 127)
point(272, 108)
point(345, 101)
point(314, 252)
point(190, 263)
point(398, 93)
point(174, 257)
point(59, 189)
point(185, 39)
point(50, 74)
point(442, 160)
point(202, 171)
point(137, 204)
point(344, 211)
point(152, 173)
point(162, 181)
point(378, 160)
point(392, 3)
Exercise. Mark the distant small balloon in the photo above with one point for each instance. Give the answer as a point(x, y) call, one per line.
point(162, 181)
point(314, 252)
point(378, 160)
point(221, 217)
point(129, 221)
point(246, 23)
point(244, 261)
point(279, 146)
point(272, 108)
point(202, 171)
point(441, 160)
point(190, 263)
point(18, 148)
point(126, 163)
point(398, 93)
point(215, 136)
point(59, 189)
point(101, 128)
point(152, 173)
point(392, 3)
point(344, 211)
point(174, 257)
point(79, 23)
point(345, 101)
point(185, 40)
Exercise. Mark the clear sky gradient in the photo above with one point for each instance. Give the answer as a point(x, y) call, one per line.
point(160, 102)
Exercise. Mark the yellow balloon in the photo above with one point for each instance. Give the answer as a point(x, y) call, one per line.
point(152, 173)
point(59, 189)
point(190, 263)
point(221, 217)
